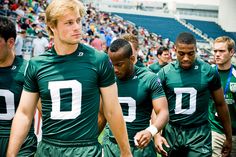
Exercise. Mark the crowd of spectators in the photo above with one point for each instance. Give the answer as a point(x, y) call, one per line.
point(100, 28)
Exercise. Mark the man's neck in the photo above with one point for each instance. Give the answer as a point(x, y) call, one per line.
point(65, 49)
point(8, 60)
point(225, 66)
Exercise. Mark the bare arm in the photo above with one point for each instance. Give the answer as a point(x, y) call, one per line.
point(101, 118)
point(114, 116)
point(22, 122)
point(160, 107)
point(39, 106)
point(223, 114)
point(159, 120)
point(158, 139)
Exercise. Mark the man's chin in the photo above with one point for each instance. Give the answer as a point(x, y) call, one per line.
point(184, 66)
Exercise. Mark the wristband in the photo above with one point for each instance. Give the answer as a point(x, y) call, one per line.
point(152, 129)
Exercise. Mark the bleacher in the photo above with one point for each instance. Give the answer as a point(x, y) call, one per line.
point(166, 27)
point(212, 29)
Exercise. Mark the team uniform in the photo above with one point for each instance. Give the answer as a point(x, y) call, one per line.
point(156, 67)
point(228, 81)
point(11, 85)
point(69, 89)
point(139, 63)
point(188, 93)
point(135, 96)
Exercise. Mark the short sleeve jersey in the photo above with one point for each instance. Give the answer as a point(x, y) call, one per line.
point(11, 85)
point(69, 89)
point(135, 96)
point(188, 91)
point(230, 98)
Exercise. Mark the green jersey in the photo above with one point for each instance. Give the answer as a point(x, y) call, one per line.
point(228, 81)
point(139, 63)
point(135, 96)
point(188, 91)
point(11, 85)
point(156, 67)
point(69, 87)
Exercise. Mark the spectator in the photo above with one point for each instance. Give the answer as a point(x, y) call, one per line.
point(97, 43)
point(163, 56)
point(39, 44)
point(19, 43)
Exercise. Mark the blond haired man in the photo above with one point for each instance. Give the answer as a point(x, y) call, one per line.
point(69, 79)
point(223, 48)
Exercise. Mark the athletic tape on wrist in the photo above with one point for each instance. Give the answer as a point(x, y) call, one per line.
point(152, 129)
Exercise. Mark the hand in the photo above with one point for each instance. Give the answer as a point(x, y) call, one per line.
point(142, 138)
point(227, 147)
point(159, 141)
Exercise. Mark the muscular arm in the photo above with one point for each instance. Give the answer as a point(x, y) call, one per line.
point(223, 114)
point(160, 117)
point(160, 107)
point(114, 116)
point(22, 122)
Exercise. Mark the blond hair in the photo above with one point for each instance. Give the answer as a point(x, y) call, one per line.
point(58, 8)
point(133, 39)
point(225, 39)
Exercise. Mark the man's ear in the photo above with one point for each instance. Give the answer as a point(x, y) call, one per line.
point(11, 42)
point(132, 58)
point(231, 52)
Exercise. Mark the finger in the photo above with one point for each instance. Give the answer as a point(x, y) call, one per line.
point(136, 142)
point(166, 143)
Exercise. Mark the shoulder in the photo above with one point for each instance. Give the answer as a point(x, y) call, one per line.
point(170, 67)
point(144, 73)
point(93, 53)
point(234, 70)
point(205, 67)
point(21, 63)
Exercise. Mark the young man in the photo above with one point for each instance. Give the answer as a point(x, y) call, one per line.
point(163, 56)
point(69, 79)
point(12, 70)
point(188, 84)
point(139, 92)
point(223, 48)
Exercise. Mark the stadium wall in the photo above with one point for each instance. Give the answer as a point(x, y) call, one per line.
point(227, 15)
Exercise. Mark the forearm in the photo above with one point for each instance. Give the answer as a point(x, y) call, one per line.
point(223, 115)
point(101, 122)
point(118, 127)
point(20, 128)
point(161, 119)
point(160, 116)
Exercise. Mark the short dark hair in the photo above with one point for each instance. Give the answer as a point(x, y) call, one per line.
point(121, 43)
point(185, 38)
point(7, 28)
point(161, 49)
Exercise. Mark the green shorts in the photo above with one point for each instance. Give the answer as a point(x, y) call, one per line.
point(50, 150)
point(188, 141)
point(111, 149)
point(28, 148)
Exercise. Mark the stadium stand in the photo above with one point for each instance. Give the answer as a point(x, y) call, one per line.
point(212, 29)
point(158, 25)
